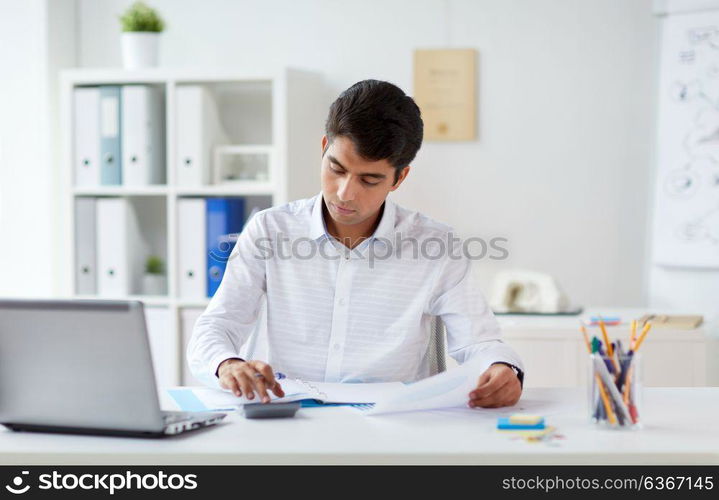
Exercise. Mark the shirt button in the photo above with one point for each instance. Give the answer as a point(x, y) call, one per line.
point(336, 347)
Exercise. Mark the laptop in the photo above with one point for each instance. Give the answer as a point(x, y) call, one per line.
point(82, 366)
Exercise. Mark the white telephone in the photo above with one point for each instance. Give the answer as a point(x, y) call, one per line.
point(520, 291)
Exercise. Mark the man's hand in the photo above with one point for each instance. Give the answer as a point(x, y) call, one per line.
point(246, 377)
point(498, 386)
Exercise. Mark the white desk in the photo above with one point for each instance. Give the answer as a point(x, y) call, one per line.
point(680, 428)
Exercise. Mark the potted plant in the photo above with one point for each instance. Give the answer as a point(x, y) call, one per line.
point(154, 281)
point(141, 28)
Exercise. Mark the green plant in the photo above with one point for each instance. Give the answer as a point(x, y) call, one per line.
point(140, 17)
point(154, 265)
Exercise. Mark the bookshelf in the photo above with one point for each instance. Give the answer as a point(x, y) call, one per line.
point(278, 113)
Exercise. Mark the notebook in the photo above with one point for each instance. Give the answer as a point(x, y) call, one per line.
point(207, 399)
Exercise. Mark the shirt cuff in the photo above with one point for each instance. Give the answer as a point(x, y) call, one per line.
point(217, 361)
point(517, 371)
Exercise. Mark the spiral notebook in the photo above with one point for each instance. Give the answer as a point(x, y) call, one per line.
point(206, 399)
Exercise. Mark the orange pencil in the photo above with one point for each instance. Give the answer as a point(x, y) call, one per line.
point(645, 331)
point(627, 383)
point(610, 350)
point(605, 400)
point(586, 338)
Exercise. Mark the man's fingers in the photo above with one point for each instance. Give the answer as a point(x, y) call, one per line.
point(493, 394)
point(277, 389)
point(246, 385)
point(231, 384)
point(267, 373)
point(486, 386)
point(261, 387)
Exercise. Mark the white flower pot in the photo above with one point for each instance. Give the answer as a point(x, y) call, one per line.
point(154, 284)
point(140, 49)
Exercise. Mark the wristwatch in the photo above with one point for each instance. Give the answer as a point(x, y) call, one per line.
point(519, 373)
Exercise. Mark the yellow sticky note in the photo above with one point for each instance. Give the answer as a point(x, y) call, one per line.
point(522, 419)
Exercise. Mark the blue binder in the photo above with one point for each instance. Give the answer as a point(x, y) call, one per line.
point(225, 218)
point(110, 140)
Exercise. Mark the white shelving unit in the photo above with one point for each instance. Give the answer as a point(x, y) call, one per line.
point(285, 108)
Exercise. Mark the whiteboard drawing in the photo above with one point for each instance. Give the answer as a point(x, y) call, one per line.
point(686, 216)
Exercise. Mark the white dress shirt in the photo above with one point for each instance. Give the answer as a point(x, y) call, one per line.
point(341, 315)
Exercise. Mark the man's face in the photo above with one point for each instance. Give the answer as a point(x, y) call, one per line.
point(354, 184)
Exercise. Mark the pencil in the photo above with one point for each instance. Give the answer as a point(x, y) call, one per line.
point(610, 349)
point(645, 331)
point(605, 400)
point(627, 382)
point(606, 337)
point(633, 335)
point(586, 338)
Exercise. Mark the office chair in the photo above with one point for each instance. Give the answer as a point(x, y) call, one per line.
point(436, 350)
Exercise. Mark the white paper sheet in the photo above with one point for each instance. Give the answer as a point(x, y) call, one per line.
point(445, 390)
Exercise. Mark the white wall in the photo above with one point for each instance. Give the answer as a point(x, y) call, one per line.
point(31, 50)
point(566, 118)
point(566, 111)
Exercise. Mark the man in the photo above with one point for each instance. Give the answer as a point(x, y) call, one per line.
point(352, 280)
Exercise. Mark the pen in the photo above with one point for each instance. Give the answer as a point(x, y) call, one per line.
point(278, 375)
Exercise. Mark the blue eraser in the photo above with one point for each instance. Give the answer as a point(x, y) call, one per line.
point(505, 424)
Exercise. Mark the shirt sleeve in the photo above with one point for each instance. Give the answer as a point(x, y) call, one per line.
point(233, 311)
point(473, 332)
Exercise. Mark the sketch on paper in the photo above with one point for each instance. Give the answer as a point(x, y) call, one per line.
point(686, 219)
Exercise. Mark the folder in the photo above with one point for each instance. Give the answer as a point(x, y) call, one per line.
point(198, 131)
point(110, 128)
point(86, 122)
point(143, 135)
point(85, 260)
point(120, 250)
point(163, 346)
point(225, 217)
point(192, 258)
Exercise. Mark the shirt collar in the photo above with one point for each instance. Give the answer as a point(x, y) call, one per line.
point(385, 228)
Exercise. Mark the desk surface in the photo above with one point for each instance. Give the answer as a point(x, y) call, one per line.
point(680, 428)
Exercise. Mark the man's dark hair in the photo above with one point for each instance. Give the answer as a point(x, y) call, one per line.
point(380, 120)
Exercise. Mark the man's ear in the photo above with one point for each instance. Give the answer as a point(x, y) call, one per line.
point(402, 176)
point(325, 144)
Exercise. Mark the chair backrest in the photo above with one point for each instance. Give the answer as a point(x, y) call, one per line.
point(436, 351)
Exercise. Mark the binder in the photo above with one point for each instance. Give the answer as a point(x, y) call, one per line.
point(198, 131)
point(110, 128)
point(85, 259)
point(192, 258)
point(225, 217)
point(143, 135)
point(120, 250)
point(86, 155)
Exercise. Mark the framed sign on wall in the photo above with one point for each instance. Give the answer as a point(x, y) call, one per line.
point(445, 91)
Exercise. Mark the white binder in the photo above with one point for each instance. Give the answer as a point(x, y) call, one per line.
point(85, 259)
point(86, 120)
point(163, 346)
point(143, 135)
point(198, 131)
point(120, 251)
point(192, 259)
point(188, 317)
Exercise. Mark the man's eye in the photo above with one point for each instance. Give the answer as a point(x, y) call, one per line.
point(335, 170)
point(370, 183)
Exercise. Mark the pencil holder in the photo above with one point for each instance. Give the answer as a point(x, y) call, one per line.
point(615, 390)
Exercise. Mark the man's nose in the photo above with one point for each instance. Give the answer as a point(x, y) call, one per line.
point(346, 191)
